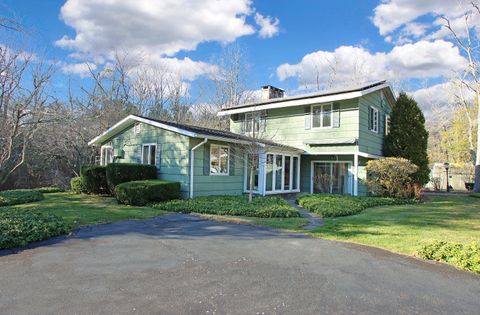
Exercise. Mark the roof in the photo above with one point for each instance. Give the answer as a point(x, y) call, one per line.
point(187, 130)
point(311, 98)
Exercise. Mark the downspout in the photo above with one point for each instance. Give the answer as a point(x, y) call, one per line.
point(192, 162)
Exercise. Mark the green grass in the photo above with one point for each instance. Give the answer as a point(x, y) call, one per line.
point(403, 229)
point(83, 210)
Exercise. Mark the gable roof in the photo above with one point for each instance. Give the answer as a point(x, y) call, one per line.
point(186, 130)
point(312, 98)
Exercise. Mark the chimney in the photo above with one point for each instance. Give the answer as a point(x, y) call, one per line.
point(269, 92)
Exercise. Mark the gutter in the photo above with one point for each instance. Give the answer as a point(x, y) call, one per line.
point(192, 162)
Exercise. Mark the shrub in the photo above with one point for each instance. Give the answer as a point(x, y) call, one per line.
point(19, 196)
point(464, 256)
point(77, 184)
point(20, 227)
point(49, 190)
point(118, 173)
point(142, 192)
point(328, 205)
point(95, 179)
point(391, 177)
point(262, 207)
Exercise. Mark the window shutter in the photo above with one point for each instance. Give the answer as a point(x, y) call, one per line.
point(206, 159)
point(231, 161)
point(370, 110)
point(158, 156)
point(336, 115)
point(138, 154)
point(308, 119)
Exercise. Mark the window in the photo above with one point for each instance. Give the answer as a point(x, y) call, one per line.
point(149, 152)
point(373, 119)
point(322, 116)
point(387, 124)
point(255, 120)
point(106, 155)
point(219, 159)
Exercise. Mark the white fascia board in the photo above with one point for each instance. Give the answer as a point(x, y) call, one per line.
point(362, 154)
point(129, 120)
point(307, 101)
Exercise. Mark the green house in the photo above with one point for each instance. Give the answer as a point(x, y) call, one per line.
point(318, 143)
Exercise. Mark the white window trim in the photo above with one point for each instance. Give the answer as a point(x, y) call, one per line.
point(155, 157)
point(274, 190)
point(387, 124)
point(101, 154)
point(228, 159)
point(350, 175)
point(321, 116)
point(261, 127)
point(377, 121)
point(137, 128)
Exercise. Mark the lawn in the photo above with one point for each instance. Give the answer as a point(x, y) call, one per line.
point(83, 210)
point(403, 229)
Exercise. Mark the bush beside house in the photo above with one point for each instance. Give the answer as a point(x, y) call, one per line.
point(95, 179)
point(140, 193)
point(118, 173)
point(77, 185)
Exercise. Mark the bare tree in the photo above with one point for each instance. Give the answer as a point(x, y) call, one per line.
point(469, 44)
point(23, 106)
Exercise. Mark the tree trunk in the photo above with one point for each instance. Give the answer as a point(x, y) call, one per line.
point(476, 187)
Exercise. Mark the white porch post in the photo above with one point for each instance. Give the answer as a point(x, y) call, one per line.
point(355, 174)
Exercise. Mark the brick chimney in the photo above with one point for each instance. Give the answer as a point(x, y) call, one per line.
point(269, 92)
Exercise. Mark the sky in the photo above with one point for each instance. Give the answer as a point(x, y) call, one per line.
point(289, 44)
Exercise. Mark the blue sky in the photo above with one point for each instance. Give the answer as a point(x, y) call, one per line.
point(370, 38)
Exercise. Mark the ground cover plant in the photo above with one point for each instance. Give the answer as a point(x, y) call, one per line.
point(463, 256)
point(328, 205)
point(19, 227)
point(19, 196)
point(262, 207)
point(50, 189)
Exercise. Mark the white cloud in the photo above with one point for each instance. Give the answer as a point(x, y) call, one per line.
point(269, 26)
point(81, 69)
point(349, 64)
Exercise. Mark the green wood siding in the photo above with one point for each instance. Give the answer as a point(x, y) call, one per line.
point(369, 141)
point(204, 185)
point(173, 152)
point(287, 126)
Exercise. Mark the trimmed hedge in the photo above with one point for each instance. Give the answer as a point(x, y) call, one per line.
point(19, 196)
point(78, 186)
point(262, 207)
point(95, 179)
point(118, 173)
point(142, 192)
point(328, 205)
point(20, 227)
point(49, 190)
point(464, 256)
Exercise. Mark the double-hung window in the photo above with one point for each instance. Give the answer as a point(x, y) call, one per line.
point(373, 119)
point(387, 124)
point(219, 159)
point(322, 116)
point(255, 121)
point(149, 154)
point(106, 155)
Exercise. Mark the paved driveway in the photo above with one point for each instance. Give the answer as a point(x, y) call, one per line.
point(180, 264)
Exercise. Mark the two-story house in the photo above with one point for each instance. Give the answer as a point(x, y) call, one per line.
point(318, 143)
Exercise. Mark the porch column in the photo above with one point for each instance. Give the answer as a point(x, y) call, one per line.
point(355, 174)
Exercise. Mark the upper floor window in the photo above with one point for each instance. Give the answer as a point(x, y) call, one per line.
point(219, 159)
point(387, 124)
point(255, 122)
point(373, 119)
point(106, 155)
point(149, 154)
point(137, 128)
point(322, 116)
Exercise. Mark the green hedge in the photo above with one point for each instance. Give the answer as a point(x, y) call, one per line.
point(118, 173)
point(142, 192)
point(20, 227)
point(464, 256)
point(328, 205)
point(78, 186)
point(19, 196)
point(95, 179)
point(49, 190)
point(262, 207)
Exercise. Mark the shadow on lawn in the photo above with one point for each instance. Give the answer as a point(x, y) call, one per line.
point(169, 226)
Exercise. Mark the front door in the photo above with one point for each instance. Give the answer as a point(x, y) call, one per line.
point(331, 177)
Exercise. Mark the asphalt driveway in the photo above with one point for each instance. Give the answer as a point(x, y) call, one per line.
point(180, 264)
